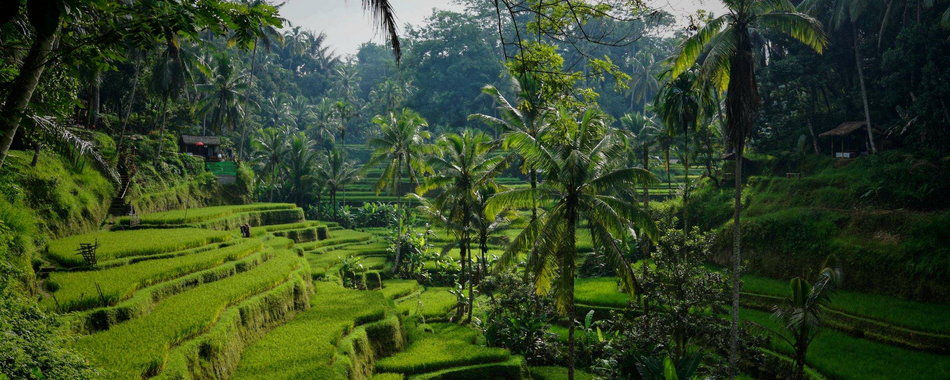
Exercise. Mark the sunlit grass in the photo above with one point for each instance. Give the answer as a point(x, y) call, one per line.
point(119, 244)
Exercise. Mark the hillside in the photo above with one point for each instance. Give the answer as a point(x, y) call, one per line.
point(884, 216)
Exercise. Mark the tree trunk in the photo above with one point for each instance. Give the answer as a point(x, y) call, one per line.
point(399, 210)
point(864, 91)
point(128, 112)
point(161, 135)
point(567, 270)
point(533, 174)
point(36, 154)
point(94, 100)
point(736, 257)
point(22, 90)
point(247, 94)
point(686, 183)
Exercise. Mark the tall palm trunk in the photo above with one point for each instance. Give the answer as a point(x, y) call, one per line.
point(22, 90)
point(742, 107)
point(567, 273)
point(645, 242)
point(468, 249)
point(161, 135)
point(128, 112)
point(533, 174)
point(399, 216)
point(247, 94)
point(686, 183)
point(864, 91)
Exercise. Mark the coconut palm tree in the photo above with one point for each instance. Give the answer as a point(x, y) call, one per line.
point(221, 96)
point(801, 314)
point(260, 28)
point(462, 164)
point(730, 65)
point(270, 150)
point(519, 122)
point(680, 103)
point(580, 185)
point(336, 172)
point(170, 76)
point(343, 111)
point(645, 84)
point(302, 164)
point(398, 146)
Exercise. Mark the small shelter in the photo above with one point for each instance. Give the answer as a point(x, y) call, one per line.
point(208, 147)
point(850, 139)
point(728, 171)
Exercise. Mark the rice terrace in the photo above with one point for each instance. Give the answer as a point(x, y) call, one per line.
point(475, 189)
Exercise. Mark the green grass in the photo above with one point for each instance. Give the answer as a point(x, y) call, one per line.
point(450, 345)
point(843, 356)
point(337, 238)
point(196, 215)
point(922, 316)
point(119, 244)
point(600, 291)
point(140, 346)
point(558, 373)
point(77, 290)
point(399, 288)
point(436, 303)
point(304, 347)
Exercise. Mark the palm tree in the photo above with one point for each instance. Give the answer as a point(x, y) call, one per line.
point(221, 99)
point(270, 150)
point(170, 75)
point(645, 83)
point(343, 111)
point(730, 65)
point(258, 30)
point(323, 124)
point(680, 104)
point(462, 165)
point(302, 166)
point(579, 185)
point(525, 121)
point(801, 314)
point(489, 228)
point(302, 111)
point(399, 145)
point(336, 173)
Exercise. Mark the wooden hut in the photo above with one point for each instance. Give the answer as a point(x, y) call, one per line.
point(850, 139)
point(208, 147)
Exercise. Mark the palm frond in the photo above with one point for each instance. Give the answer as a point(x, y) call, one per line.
point(691, 48)
point(801, 27)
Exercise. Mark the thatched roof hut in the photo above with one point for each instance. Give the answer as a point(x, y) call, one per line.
point(850, 139)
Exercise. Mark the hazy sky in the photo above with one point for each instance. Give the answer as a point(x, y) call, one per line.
point(347, 27)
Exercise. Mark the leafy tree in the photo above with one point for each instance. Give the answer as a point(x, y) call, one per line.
point(579, 184)
point(399, 145)
point(730, 65)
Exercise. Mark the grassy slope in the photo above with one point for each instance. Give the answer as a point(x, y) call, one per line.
point(77, 290)
point(843, 356)
point(119, 244)
point(305, 346)
point(140, 345)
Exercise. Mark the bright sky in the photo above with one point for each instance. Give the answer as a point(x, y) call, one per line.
point(347, 26)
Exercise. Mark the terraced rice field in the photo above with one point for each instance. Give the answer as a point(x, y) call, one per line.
point(187, 300)
point(903, 348)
